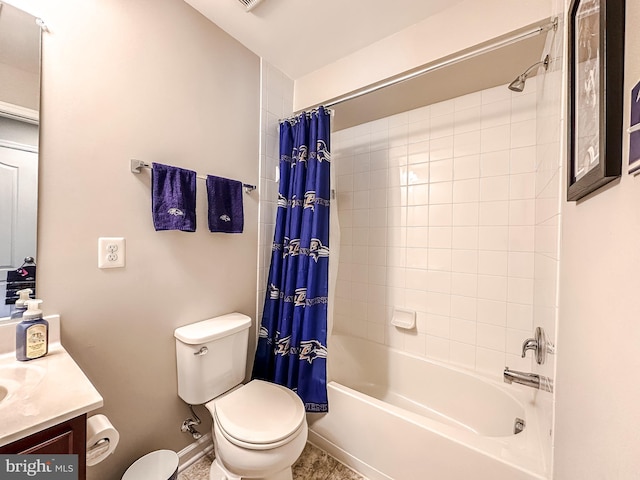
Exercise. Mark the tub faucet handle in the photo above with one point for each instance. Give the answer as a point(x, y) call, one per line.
point(529, 344)
point(539, 344)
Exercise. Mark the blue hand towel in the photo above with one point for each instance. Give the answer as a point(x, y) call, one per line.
point(173, 198)
point(226, 213)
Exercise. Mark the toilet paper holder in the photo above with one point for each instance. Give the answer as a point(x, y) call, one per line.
point(102, 439)
point(98, 448)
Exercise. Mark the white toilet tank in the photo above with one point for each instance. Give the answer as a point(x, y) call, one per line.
point(211, 356)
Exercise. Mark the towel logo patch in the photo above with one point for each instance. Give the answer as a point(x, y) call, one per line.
point(225, 218)
point(176, 212)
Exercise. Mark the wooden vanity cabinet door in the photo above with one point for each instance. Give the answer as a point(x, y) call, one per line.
point(69, 437)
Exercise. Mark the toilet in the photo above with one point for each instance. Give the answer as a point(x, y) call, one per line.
point(259, 428)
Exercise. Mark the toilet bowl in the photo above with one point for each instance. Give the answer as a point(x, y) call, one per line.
point(259, 431)
point(260, 428)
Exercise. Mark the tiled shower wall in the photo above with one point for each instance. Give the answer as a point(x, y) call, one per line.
point(277, 103)
point(437, 215)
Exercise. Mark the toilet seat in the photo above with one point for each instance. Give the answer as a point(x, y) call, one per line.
point(260, 446)
point(259, 415)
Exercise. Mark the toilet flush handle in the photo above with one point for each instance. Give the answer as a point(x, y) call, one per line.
point(202, 351)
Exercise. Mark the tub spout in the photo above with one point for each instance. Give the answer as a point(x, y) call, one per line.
point(532, 380)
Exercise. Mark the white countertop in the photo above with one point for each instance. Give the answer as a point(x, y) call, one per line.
point(41, 392)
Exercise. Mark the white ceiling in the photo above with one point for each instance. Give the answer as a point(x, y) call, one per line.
point(300, 36)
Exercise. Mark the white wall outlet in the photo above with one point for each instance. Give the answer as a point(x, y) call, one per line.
point(111, 252)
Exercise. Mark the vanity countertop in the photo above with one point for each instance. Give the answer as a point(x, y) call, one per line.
point(43, 392)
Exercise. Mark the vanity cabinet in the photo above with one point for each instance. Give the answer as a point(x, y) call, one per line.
point(65, 438)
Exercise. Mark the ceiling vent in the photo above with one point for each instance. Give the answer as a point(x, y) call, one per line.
point(249, 4)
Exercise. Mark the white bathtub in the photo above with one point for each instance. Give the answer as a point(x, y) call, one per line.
point(398, 416)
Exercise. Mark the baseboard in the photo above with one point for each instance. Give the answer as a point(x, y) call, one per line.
point(195, 451)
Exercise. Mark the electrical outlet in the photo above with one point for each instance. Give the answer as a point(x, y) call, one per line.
point(111, 252)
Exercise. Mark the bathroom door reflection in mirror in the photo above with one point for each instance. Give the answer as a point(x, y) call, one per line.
point(19, 120)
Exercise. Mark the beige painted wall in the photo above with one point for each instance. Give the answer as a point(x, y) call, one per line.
point(597, 415)
point(156, 81)
point(19, 87)
point(461, 26)
point(19, 58)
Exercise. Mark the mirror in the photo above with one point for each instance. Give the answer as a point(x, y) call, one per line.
point(20, 40)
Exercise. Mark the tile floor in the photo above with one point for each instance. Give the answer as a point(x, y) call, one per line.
point(313, 464)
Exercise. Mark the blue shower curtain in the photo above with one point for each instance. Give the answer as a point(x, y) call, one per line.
point(292, 342)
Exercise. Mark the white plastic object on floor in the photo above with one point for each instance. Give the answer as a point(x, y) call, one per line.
point(403, 318)
point(157, 465)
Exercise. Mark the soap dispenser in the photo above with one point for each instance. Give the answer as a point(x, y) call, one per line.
point(21, 303)
point(32, 334)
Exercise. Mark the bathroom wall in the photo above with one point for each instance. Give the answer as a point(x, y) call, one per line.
point(597, 418)
point(437, 214)
point(276, 103)
point(19, 58)
point(464, 25)
point(21, 86)
point(155, 81)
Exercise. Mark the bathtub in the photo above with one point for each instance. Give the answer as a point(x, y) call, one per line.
point(397, 416)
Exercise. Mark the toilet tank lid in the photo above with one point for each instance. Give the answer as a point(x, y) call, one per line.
point(212, 328)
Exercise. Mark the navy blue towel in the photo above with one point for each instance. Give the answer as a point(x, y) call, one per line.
point(173, 198)
point(226, 213)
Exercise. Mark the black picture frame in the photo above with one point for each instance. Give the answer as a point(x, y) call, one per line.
point(595, 94)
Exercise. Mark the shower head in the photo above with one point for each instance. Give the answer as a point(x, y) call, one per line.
point(518, 84)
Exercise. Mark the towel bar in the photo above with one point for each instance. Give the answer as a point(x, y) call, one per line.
point(137, 165)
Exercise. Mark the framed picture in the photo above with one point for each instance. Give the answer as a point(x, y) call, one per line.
point(595, 97)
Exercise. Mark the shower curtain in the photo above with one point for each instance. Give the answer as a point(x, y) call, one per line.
point(292, 341)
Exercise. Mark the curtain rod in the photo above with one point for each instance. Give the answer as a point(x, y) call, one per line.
point(552, 25)
point(294, 116)
point(136, 165)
